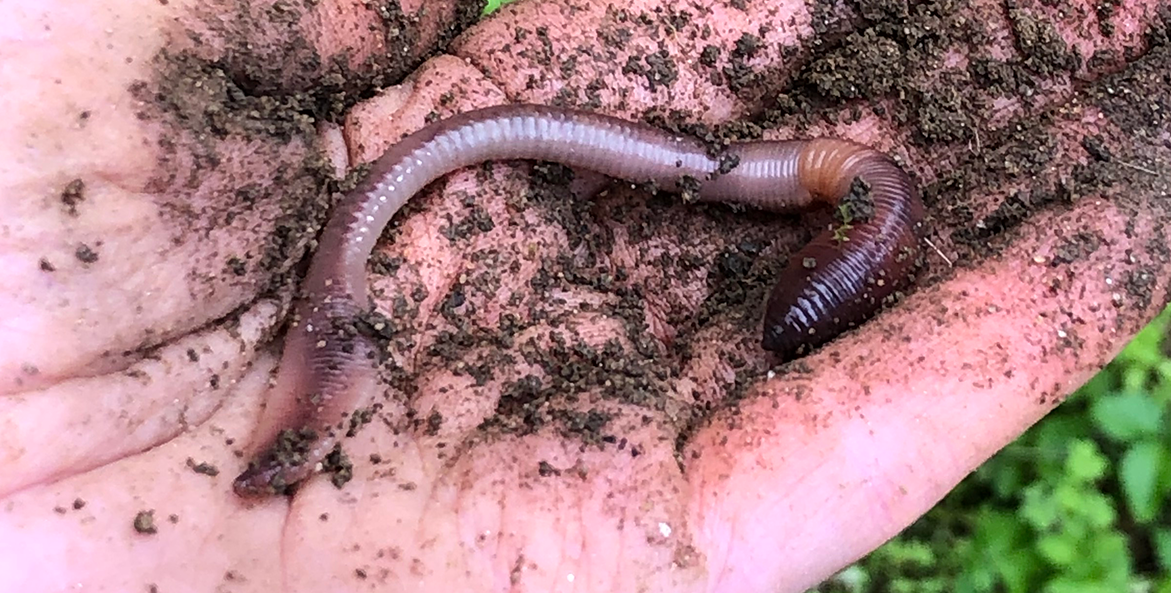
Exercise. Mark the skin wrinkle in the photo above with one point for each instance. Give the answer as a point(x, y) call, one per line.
point(503, 561)
point(474, 539)
point(145, 416)
point(36, 504)
point(569, 537)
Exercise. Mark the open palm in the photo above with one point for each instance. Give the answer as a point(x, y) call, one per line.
point(573, 396)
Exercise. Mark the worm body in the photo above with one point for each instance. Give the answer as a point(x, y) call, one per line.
point(839, 280)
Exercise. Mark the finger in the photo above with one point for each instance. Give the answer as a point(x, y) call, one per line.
point(167, 173)
point(79, 425)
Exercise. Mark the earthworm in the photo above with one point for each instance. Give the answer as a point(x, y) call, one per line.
point(840, 279)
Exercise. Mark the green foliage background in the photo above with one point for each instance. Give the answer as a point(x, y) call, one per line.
point(1078, 504)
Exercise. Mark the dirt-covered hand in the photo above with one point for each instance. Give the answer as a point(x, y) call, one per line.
point(572, 395)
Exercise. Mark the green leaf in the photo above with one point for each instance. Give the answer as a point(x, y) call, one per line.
point(1164, 370)
point(1111, 559)
point(1059, 549)
point(1162, 541)
point(1127, 416)
point(1139, 472)
point(494, 5)
point(1098, 509)
point(1038, 507)
point(1084, 462)
point(999, 557)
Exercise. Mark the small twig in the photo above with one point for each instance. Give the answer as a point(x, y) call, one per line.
point(928, 241)
point(1135, 167)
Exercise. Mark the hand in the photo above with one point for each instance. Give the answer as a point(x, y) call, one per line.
point(573, 396)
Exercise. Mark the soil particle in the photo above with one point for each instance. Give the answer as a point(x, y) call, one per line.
point(204, 468)
point(657, 68)
point(85, 254)
point(868, 66)
point(144, 523)
point(1096, 146)
point(545, 469)
point(434, 423)
point(1080, 245)
point(1105, 11)
point(857, 206)
point(338, 467)
point(73, 195)
point(710, 55)
point(1045, 52)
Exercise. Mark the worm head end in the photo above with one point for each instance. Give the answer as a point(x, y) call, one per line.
point(293, 457)
point(783, 340)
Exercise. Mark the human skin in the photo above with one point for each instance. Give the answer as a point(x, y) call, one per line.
point(573, 396)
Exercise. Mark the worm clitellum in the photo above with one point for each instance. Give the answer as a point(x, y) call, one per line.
point(837, 281)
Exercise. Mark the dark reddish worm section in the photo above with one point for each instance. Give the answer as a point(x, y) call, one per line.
point(840, 279)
